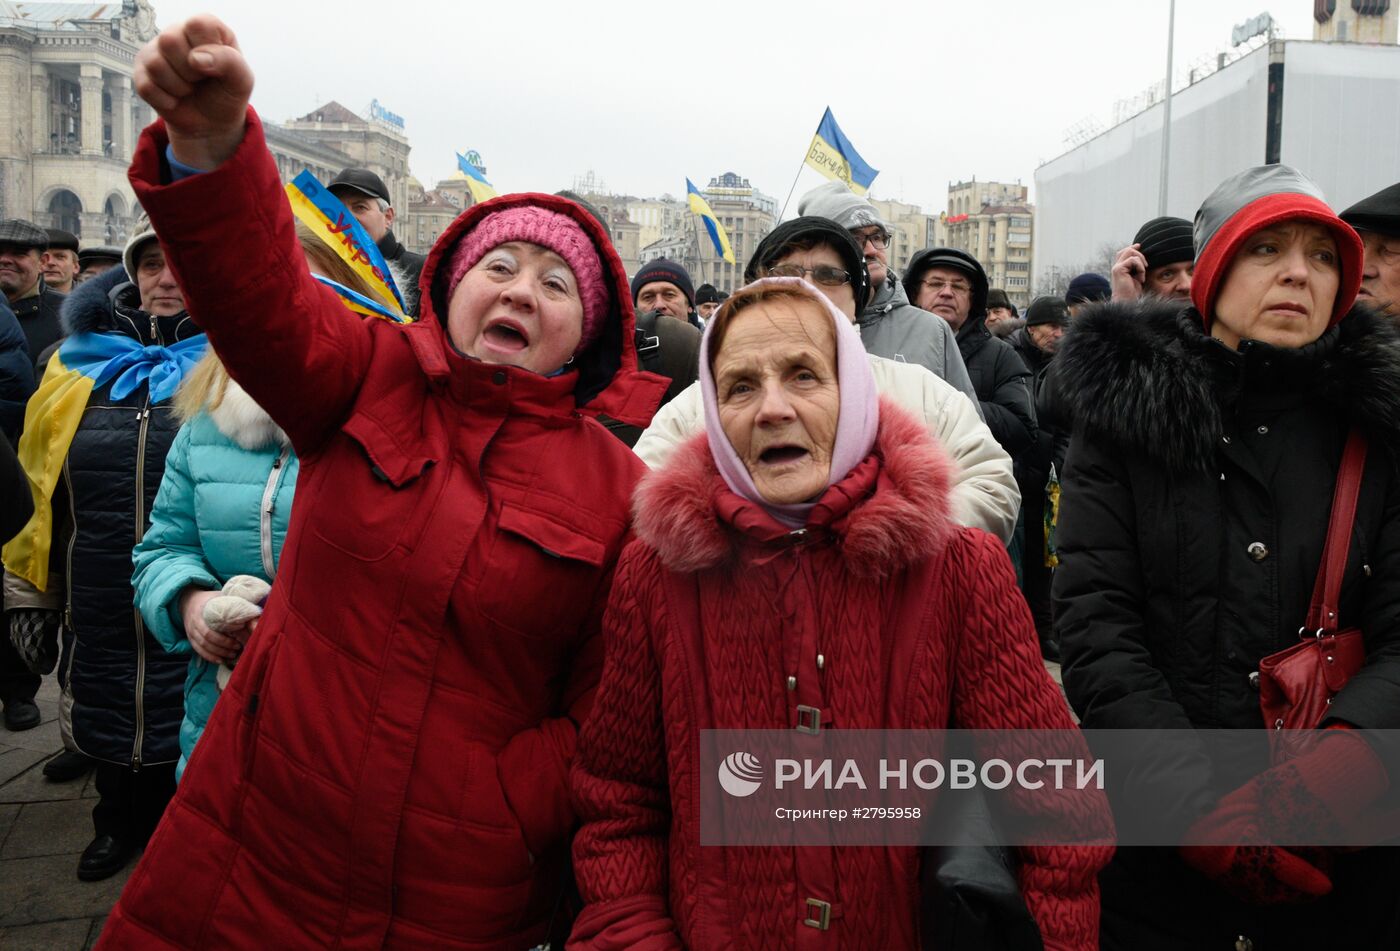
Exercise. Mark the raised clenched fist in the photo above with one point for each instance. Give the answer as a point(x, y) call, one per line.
point(194, 76)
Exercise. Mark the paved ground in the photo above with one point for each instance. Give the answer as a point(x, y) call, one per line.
point(44, 827)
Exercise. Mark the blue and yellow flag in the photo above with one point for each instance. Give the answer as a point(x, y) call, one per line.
point(701, 207)
point(324, 213)
point(82, 363)
point(480, 188)
point(834, 156)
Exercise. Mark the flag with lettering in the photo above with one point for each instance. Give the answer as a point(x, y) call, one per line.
point(832, 154)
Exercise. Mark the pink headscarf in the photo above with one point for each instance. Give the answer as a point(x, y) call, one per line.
point(857, 422)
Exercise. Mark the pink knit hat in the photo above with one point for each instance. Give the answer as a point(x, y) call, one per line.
point(548, 229)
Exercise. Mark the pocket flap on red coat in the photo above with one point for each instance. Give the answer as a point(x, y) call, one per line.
point(393, 462)
point(554, 537)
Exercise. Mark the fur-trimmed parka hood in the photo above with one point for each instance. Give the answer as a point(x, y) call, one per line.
point(1146, 377)
point(686, 512)
point(110, 303)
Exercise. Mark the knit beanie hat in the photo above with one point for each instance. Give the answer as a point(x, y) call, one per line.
point(958, 261)
point(835, 202)
point(706, 294)
point(141, 235)
point(1165, 241)
point(1088, 288)
point(667, 271)
point(1047, 310)
point(996, 297)
point(1379, 213)
point(777, 243)
point(548, 229)
point(1255, 199)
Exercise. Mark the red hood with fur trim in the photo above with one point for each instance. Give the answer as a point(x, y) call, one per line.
point(890, 511)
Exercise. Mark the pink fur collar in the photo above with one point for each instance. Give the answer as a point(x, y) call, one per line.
point(907, 519)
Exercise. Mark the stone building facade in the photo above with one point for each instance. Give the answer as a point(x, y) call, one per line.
point(993, 221)
point(68, 117)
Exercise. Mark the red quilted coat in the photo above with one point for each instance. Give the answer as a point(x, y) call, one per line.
point(389, 764)
point(886, 586)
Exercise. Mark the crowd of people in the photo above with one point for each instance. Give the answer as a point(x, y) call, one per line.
point(403, 635)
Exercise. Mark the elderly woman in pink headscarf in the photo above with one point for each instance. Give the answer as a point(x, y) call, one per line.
point(792, 564)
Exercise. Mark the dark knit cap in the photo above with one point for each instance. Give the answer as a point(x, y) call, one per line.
point(706, 294)
point(1047, 310)
point(952, 258)
point(780, 241)
point(663, 270)
point(1087, 288)
point(60, 240)
point(1259, 198)
point(996, 297)
point(1379, 213)
point(1165, 241)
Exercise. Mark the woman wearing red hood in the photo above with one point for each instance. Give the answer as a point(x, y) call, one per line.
point(389, 764)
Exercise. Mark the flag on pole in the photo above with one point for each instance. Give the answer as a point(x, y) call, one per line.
point(832, 154)
point(480, 188)
point(701, 207)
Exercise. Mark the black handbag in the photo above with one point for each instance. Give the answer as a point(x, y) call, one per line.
point(969, 897)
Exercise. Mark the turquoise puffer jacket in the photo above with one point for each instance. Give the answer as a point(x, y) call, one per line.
point(222, 510)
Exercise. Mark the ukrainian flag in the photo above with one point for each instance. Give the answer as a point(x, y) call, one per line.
point(701, 207)
point(323, 213)
point(480, 188)
point(82, 363)
point(834, 156)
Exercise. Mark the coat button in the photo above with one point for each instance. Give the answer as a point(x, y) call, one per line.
point(499, 377)
point(1258, 551)
point(1263, 430)
point(1225, 440)
point(1254, 679)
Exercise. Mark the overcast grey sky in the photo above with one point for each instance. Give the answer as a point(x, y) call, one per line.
point(645, 94)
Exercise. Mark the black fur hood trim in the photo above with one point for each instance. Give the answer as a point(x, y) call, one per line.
point(1145, 377)
point(89, 308)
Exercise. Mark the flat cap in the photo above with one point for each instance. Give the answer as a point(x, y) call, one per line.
point(24, 233)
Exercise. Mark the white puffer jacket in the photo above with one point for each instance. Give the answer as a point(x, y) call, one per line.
point(985, 496)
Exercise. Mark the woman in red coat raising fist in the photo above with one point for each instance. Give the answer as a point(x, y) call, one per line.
point(389, 764)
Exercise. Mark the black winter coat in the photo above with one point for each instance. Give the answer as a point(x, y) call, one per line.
point(128, 693)
point(39, 318)
point(16, 374)
point(1033, 465)
point(1002, 383)
point(1193, 512)
point(407, 267)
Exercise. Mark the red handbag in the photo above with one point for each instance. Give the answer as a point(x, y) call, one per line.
point(1296, 685)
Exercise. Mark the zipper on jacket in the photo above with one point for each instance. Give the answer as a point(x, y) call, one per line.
point(265, 513)
point(144, 415)
point(155, 330)
point(68, 572)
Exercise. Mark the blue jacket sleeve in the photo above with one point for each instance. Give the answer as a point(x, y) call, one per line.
point(169, 556)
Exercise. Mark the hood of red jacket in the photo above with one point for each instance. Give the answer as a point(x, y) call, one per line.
point(610, 379)
point(892, 510)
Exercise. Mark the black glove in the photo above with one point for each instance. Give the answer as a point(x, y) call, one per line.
point(34, 632)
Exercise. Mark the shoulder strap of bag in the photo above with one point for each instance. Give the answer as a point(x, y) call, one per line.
point(648, 342)
point(1322, 612)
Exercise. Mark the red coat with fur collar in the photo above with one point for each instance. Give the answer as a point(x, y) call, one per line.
point(889, 587)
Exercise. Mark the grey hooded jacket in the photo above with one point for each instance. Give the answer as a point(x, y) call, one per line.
point(895, 329)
